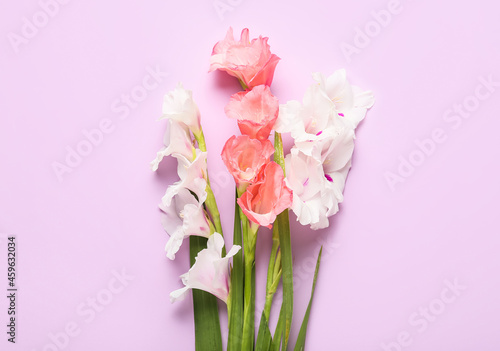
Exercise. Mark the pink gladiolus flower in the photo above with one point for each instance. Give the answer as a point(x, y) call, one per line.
point(249, 61)
point(245, 157)
point(256, 111)
point(267, 198)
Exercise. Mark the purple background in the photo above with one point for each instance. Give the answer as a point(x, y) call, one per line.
point(388, 253)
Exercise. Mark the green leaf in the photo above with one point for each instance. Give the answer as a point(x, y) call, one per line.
point(206, 321)
point(278, 332)
point(235, 301)
point(301, 338)
point(286, 251)
point(264, 335)
point(206, 313)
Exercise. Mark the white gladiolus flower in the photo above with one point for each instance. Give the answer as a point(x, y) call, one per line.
point(338, 136)
point(323, 131)
point(350, 101)
point(183, 200)
point(325, 103)
point(304, 121)
point(179, 105)
point(193, 174)
point(335, 149)
point(182, 216)
point(304, 175)
point(210, 271)
point(317, 187)
point(177, 141)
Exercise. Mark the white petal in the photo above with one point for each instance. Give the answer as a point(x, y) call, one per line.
point(179, 294)
point(363, 99)
point(179, 105)
point(323, 223)
point(177, 140)
point(182, 216)
point(336, 84)
point(159, 157)
point(195, 221)
point(319, 78)
point(316, 111)
point(193, 174)
point(287, 117)
point(337, 148)
point(306, 178)
point(234, 250)
point(215, 243)
point(174, 243)
point(211, 271)
point(170, 212)
point(320, 160)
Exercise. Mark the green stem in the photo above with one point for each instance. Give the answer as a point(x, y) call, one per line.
point(243, 85)
point(200, 138)
point(235, 300)
point(249, 243)
point(213, 209)
point(210, 202)
point(286, 251)
point(205, 309)
point(274, 263)
point(277, 266)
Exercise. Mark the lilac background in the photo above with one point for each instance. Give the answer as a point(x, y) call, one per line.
point(387, 253)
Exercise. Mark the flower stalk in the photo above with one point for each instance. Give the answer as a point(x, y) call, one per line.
point(273, 273)
point(235, 299)
point(210, 202)
point(249, 244)
point(283, 228)
point(323, 129)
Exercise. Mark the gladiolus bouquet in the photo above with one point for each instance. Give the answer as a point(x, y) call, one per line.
point(309, 180)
